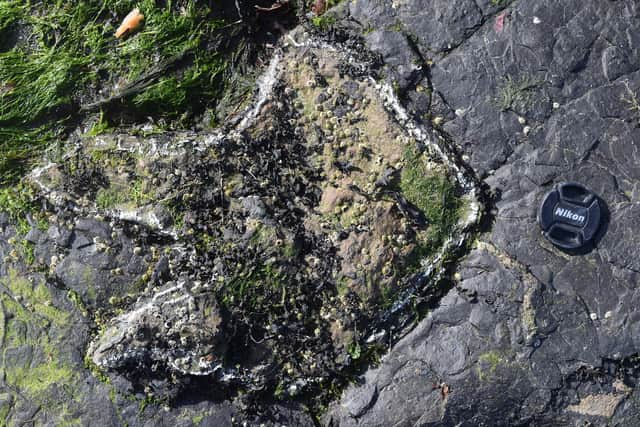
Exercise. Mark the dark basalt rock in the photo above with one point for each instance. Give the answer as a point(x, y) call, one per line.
point(539, 93)
point(147, 236)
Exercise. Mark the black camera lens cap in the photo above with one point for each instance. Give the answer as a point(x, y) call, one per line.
point(570, 215)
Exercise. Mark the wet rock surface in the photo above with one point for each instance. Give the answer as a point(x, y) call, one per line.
point(245, 276)
point(538, 93)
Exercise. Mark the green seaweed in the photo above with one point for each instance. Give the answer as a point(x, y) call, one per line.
point(323, 22)
point(254, 286)
point(34, 380)
point(17, 202)
point(516, 92)
point(71, 53)
point(172, 94)
point(325, 19)
point(434, 194)
point(354, 350)
point(117, 195)
point(5, 406)
point(100, 127)
point(107, 198)
point(490, 361)
point(197, 419)
point(30, 308)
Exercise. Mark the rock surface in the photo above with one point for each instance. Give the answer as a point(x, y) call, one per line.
point(259, 263)
point(532, 93)
point(194, 278)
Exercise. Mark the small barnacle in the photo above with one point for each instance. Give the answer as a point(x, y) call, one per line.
point(130, 23)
